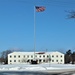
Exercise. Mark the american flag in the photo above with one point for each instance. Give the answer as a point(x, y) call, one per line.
point(39, 8)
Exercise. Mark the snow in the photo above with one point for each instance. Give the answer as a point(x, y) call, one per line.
point(39, 67)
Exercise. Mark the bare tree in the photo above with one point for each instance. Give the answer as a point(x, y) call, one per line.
point(68, 57)
point(4, 56)
point(71, 14)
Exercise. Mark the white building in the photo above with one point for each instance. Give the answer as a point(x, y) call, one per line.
point(41, 57)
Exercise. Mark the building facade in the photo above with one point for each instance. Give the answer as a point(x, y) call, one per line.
point(41, 57)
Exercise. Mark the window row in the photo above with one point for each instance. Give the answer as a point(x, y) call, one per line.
point(56, 56)
point(57, 60)
point(48, 56)
point(40, 60)
point(14, 60)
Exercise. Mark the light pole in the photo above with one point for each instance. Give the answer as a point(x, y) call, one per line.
point(49, 59)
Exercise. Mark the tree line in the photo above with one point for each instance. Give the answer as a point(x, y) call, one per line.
point(70, 57)
point(4, 55)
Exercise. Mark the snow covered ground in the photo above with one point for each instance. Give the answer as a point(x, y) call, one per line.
point(39, 67)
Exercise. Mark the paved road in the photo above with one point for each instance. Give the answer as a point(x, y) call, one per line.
point(35, 73)
point(65, 73)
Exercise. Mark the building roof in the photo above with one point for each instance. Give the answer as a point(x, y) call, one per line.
point(35, 53)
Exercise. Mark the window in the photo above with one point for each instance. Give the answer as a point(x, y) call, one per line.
point(47, 56)
point(18, 56)
point(18, 60)
point(14, 60)
point(43, 55)
point(61, 56)
point(39, 60)
point(52, 55)
point(24, 56)
point(56, 55)
point(61, 60)
point(52, 60)
point(40, 56)
point(28, 56)
point(10, 56)
point(35, 55)
point(43, 60)
point(56, 60)
point(31, 56)
point(14, 56)
point(10, 60)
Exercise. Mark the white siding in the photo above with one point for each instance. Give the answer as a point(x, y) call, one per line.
point(58, 57)
point(23, 57)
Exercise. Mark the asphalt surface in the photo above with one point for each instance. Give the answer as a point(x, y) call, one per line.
point(64, 73)
point(37, 73)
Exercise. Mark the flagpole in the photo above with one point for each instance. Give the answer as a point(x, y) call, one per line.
point(34, 34)
point(39, 9)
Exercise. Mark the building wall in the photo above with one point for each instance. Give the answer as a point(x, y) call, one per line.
point(27, 57)
point(57, 58)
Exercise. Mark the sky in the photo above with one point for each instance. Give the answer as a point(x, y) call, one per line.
point(54, 31)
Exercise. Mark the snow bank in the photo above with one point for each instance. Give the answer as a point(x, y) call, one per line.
point(39, 67)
